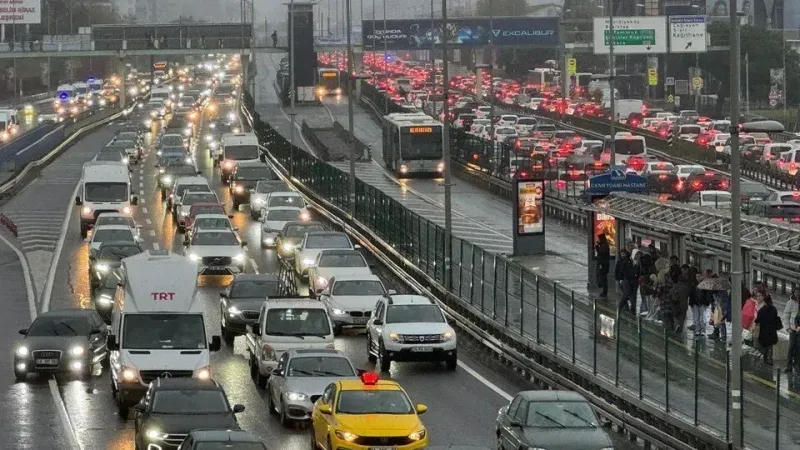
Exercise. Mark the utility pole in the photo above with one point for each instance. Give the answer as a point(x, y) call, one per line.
point(612, 71)
point(385, 71)
point(292, 88)
point(433, 60)
point(448, 212)
point(350, 99)
point(736, 230)
point(491, 77)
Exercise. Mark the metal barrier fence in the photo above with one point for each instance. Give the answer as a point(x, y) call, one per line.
point(585, 335)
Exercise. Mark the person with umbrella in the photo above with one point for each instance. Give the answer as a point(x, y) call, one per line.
point(721, 314)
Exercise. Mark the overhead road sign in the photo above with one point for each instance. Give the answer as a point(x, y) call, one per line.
point(17, 12)
point(632, 35)
point(687, 34)
point(616, 180)
point(418, 34)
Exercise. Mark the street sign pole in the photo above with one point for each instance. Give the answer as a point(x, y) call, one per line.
point(611, 73)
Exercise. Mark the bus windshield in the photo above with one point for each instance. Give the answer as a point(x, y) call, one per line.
point(421, 145)
point(329, 79)
point(630, 147)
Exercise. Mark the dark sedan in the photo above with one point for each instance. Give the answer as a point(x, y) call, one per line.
point(71, 341)
point(244, 178)
point(173, 407)
point(242, 300)
point(222, 439)
point(553, 420)
point(107, 258)
point(292, 234)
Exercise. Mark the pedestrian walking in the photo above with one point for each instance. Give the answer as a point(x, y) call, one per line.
point(700, 301)
point(768, 323)
point(603, 259)
point(679, 295)
point(790, 313)
point(274, 39)
point(626, 275)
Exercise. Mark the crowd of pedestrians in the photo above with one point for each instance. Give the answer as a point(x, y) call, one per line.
point(656, 286)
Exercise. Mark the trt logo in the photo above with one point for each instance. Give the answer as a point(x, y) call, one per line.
point(163, 296)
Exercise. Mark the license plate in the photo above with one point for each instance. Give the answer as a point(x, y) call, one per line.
point(383, 448)
point(422, 349)
point(360, 320)
point(216, 268)
point(47, 362)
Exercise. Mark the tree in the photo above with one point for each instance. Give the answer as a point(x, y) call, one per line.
point(500, 8)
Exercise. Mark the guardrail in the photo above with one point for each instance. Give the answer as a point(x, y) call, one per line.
point(631, 370)
point(27, 99)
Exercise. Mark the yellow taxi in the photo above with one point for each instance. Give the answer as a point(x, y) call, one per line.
point(367, 414)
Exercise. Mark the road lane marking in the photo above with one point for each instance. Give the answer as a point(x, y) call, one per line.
point(148, 221)
point(51, 274)
point(152, 232)
point(141, 200)
point(254, 264)
point(26, 273)
point(156, 246)
point(62, 414)
point(485, 382)
point(144, 210)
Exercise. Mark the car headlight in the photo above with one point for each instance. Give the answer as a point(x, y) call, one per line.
point(239, 257)
point(209, 138)
point(153, 114)
point(77, 351)
point(258, 201)
point(162, 170)
point(105, 300)
point(203, 373)
point(322, 281)
point(394, 337)
point(338, 312)
point(308, 262)
point(239, 189)
point(296, 396)
point(417, 435)
point(212, 144)
point(234, 310)
point(305, 216)
point(86, 210)
point(126, 210)
point(125, 160)
point(103, 102)
point(184, 213)
point(129, 374)
point(347, 436)
point(288, 247)
point(446, 336)
point(101, 268)
point(23, 351)
point(166, 179)
point(156, 434)
point(194, 257)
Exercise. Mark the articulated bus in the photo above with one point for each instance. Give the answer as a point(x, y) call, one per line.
point(412, 144)
point(328, 82)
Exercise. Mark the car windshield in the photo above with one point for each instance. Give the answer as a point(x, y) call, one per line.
point(122, 143)
point(199, 198)
point(374, 402)
point(214, 238)
point(118, 252)
point(754, 188)
point(255, 288)
point(191, 188)
point(254, 173)
point(190, 401)
point(105, 192)
point(109, 156)
point(328, 241)
point(342, 260)
point(172, 140)
point(127, 136)
point(104, 234)
point(113, 220)
point(692, 170)
point(228, 445)
point(690, 130)
point(208, 209)
point(282, 215)
point(320, 366)
point(241, 152)
point(164, 331)
point(560, 415)
point(265, 188)
point(358, 287)
point(212, 223)
point(295, 231)
point(297, 322)
point(413, 313)
point(59, 326)
point(286, 200)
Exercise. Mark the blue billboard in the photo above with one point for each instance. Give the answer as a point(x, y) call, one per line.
point(409, 34)
point(616, 180)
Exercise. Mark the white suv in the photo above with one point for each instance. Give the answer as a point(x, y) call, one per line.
point(410, 328)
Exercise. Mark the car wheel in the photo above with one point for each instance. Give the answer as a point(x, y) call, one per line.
point(163, 193)
point(270, 402)
point(84, 231)
point(370, 357)
point(253, 214)
point(236, 205)
point(385, 363)
point(122, 409)
point(499, 441)
point(314, 445)
point(337, 329)
point(451, 362)
point(285, 421)
point(20, 376)
point(253, 369)
point(228, 337)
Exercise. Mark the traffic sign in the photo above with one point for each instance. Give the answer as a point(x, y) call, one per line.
point(670, 81)
point(573, 66)
point(652, 77)
point(632, 35)
point(687, 34)
point(697, 83)
point(773, 102)
point(670, 98)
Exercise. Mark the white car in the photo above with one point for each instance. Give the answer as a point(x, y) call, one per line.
point(188, 199)
point(658, 167)
point(305, 254)
point(332, 263)
point(212, 221)
point(110, 233)
point(259, 194)
point(503, 133)
point(283, 199)
point(216, 252)
point(483, 111)
point(274, 219)
point(711, 199)
point(535, 102)
point(350, 299)
point(525, 125)
point(115, 218)
point(585, 145)
point(410, 328)
point(507, 120)
point(684, 170)
point(718, 142)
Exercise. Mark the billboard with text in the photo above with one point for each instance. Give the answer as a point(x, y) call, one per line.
point(20, 11)
point(410, 34)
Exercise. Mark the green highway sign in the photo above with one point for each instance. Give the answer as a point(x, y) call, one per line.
point(632, 37)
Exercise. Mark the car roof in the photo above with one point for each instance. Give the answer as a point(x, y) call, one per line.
point(285, 193)
point(410, 299)
point(67, 312)
point(214, 230)
point(312, 352)
point(326, 233)
point(119, 244)
point(180, 383)
point(339, 252)
point(357, 385)
point(223, 435)
point(255, 277)
point(284, 208)
point(113, 227)
point(113, 214)
point(364, 277)
point(554, 395)
point(207, 203)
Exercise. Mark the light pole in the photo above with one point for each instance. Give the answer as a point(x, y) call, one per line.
point(736, 230)
point(448, 213)
point(350, 77)
point(292, 88)
point(611, 73)
point(491, 77)
point(385, 67)
point(433, 60)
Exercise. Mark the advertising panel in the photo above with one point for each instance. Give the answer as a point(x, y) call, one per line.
point(20, 11)
point(607, 225)
point(530, 208)
point(412, 34)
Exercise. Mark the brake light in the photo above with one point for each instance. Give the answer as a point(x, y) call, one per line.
point(709, 173)
point(663, 177)
point(724, 184)
point(697, 184)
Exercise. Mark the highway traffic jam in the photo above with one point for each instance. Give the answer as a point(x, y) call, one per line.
point(513, 145)
point(196, 267)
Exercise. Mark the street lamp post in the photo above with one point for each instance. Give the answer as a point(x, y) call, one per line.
point(350, 112)
point(448, 213)
point(292, 88)
point(611, 73)
point(491, 77)
point(385, 67)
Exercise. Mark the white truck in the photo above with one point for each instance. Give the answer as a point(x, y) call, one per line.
point(157, 326)
point(8, 124)
point(104, 187)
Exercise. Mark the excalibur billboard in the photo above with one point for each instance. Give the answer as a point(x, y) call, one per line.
point(410, 34)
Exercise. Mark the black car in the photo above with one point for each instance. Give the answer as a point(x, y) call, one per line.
point(221, 439)
point(173, 171)
point(244, 178)
point(292, 234)
point(707, 181)
point(241, 301)
point(107, 258)
point(69, 341)
point(172, 407)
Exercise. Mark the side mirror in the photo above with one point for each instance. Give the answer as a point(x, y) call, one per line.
point(357, 247)
point(251, 191)
point(515, 424)
point(134, 200)
point(199, 172)
point(111, 343)
point(23, 331)
point(223, 294)
point(421, 409)
point(244, 243)
point(377, 322)
point(255, 329)
point(262, 216)
point(238, 408)
point(139, 407)
point(325, 409)
point(391, 292)
point(78, 201)
point(215, 344)
point(235, 228)
point(186, 241)
point(277, 373)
